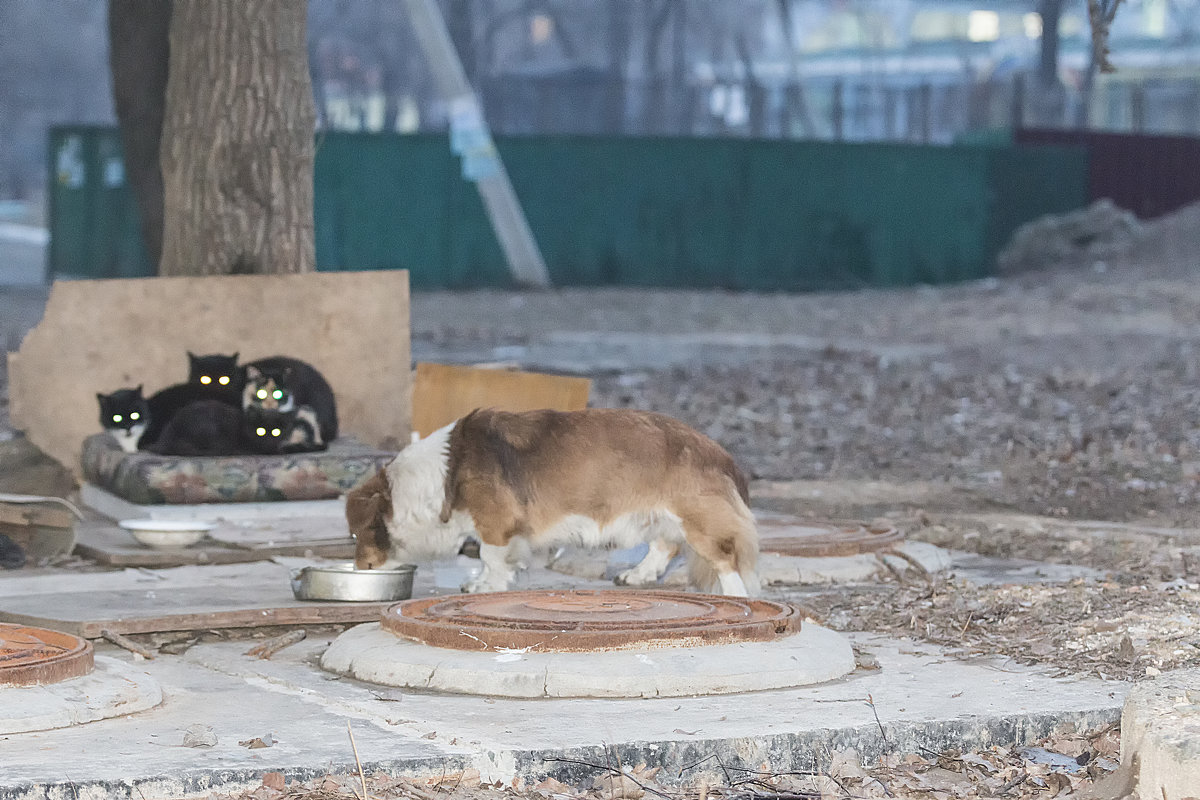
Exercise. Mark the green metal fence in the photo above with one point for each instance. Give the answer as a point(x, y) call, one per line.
point(740, 214)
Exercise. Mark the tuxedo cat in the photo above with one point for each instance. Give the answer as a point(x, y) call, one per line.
point(137, 422)
point(291, 386)
point(203, 428)
point(124, 415)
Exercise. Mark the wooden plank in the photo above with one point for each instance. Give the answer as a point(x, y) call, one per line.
point(442, 393)
point(185, 608)
point(35, 515)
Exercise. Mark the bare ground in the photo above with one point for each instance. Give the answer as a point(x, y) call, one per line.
point(1002, 418)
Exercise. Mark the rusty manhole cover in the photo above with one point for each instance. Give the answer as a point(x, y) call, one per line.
point(32, 656)
point(582, 620)
point(819, 538)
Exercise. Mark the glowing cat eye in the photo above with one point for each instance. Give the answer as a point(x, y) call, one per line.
point(277, 394)
point(261, 431)
point(135, 415)
point(224, 379)
point(205, 380)
point(261, 394)
point(116, 417)
point(275, 431)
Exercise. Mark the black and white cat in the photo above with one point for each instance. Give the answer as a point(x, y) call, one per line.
point(289, 386)
point(137, 422)
point(268, 432)
point(124, 415)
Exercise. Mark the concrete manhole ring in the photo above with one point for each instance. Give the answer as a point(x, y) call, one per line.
point(815, 539)
point(588, 620)
point(36, 656)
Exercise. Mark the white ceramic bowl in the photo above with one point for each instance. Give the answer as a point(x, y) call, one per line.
point(166, 534)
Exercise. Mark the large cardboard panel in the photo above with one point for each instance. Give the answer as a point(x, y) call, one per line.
point(443, 393)
point(103, 335)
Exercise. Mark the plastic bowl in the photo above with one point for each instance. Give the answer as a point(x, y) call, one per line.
point(165, 534)
point(344, 582)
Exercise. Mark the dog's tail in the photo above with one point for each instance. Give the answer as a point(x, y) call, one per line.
point(732, 525)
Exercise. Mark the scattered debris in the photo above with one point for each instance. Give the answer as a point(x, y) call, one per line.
point(258, 742)
point(1100, 231)
point(272, 646)
point(199, 735)
point(127, 643)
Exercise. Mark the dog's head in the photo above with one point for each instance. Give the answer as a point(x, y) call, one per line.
point(368, 509)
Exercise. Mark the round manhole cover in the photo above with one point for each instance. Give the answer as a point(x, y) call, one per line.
point(584, 620)
point(814, 539)
point(30, 656)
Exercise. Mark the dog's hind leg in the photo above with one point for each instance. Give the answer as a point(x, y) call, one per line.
point(724, 544)
point(650, 568)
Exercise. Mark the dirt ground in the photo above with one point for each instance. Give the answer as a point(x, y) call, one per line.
point(1051, 416)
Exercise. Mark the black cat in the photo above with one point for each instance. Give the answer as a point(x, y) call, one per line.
point(203, 428)
point(137, 422)
point(271, 432)
point(218, 373)
point(291, 386)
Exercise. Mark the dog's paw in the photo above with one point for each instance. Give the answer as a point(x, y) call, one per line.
point(635, 577)
point(481, 585)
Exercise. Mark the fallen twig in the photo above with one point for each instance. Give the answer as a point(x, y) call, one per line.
point(882, 732)
point(914, 563)
point(362, 778)
point(126, 643)
point(272, 646)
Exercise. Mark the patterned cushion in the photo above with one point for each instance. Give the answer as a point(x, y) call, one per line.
point(146, 478)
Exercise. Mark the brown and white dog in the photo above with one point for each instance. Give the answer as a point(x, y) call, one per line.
point(591, 478)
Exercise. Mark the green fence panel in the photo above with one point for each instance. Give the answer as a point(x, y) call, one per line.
point(95, 231)
point(740, 214)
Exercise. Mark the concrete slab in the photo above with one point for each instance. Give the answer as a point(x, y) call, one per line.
point(922, 698)
point(1160, 726)
point(773, 569)
point(814, 655)
point(112, 689)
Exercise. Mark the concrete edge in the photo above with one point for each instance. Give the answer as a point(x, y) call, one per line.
point(682, 761)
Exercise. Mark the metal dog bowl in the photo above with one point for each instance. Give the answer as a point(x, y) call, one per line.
point(344, 582)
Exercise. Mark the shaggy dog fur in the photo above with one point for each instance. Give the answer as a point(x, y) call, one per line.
point(598, 477)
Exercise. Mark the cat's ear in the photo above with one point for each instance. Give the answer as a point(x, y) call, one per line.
point(139, 388)
point(252, 373)
point(234, 357)
point(102, 398)
point(191, 355)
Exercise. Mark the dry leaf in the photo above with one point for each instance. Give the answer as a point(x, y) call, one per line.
point(274, 780)
point(258, 742)
point(614, 787)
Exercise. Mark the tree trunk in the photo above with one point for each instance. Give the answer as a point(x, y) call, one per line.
point(237, 146)
point(138, 56)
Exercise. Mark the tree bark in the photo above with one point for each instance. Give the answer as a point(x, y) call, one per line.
point(237, 145)
point(138, 57)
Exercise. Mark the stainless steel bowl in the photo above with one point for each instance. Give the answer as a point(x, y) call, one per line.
point(344, 582)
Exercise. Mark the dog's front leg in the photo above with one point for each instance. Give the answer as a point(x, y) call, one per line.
point(497, 573)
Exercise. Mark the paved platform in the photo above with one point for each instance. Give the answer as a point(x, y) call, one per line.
point(1161, 726)
point(922, 698)
point(112, 689)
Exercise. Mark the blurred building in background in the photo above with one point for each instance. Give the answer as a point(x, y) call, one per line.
point(930, 71)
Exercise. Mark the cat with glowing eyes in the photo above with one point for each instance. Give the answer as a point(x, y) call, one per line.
point(137, 422)
point(296, 398)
